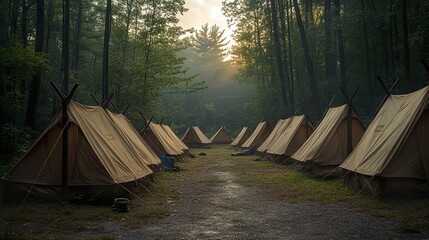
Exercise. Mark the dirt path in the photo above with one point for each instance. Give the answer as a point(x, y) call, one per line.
point(214, 205)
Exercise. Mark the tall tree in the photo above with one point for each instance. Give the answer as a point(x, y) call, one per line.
point(369, 76)
point(65, 45)
point(13, 18)
point(107, 29)
point(279, 55)
point(77, 36)
point(4, 16)
point(308, 60)
point(283, 21)
point(330, 53)
point(289, 29)
point(30, 119)
point(341, 45)
point(407, 64)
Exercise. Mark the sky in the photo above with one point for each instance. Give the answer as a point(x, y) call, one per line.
point(205, 11)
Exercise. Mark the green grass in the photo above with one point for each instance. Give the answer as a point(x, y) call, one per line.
point(57, 221)
point(294, 186)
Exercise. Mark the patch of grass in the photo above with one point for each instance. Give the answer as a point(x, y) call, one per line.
point(59, 221)
point(296, 187)
point(156, 211)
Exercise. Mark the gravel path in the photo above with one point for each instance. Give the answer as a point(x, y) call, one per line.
point(213, 205)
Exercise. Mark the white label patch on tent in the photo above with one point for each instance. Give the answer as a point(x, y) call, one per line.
point(109, 136)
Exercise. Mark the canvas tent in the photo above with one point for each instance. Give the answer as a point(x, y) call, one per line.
point(393, 155)
point(136, 141)
point(221, 136)
point(278, 129)
point(101, 162)
point(261, 133)
point(159, 141)
point(174, 137)
point(244, 134)
point(193, 137)
point(328, 146)
point(292, 137)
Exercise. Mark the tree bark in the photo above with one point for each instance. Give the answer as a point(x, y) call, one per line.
point(31, 116)
point(289, 28)
point(330, 53)
point(24, 20)
point(308, 60)
point(14, 18)
point(278, 50)
point(65, 45)
point(284, 54)
point(3, 42)
point(24, 34)
point(77, 36)
point(341, 46)
point(407, 64)
point(368, 75)
point(107, 27)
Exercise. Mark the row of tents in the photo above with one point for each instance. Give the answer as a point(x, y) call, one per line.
point(91, 154)
point(390, 156)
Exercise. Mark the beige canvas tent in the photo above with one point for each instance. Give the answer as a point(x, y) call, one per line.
point(101, 162)
point(159, 141)
point(244, 134)
point(261, 133)
point(221, 136)
point(328, 147)
point(393, 155)
point(278, 129)
point(174, 137)
point(193, 137)
point(134, 138)
point(292, 137)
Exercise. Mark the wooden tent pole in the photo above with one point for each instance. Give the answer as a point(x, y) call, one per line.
point(95, 99)
point(65, 143)
point(349, 120)
point(126, 109)
point(106, 103)
point(387, 91)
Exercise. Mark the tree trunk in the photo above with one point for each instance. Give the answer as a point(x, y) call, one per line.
point(279, 56)
point(289, 28)
point(50, 19)
point(407, 64)
point(368, 75)
point(14, 18)
point(24, 34)
point(31, 116)
point(107, 27)
point(4, 16)
point(65, 45)
point(24, 20)
point(391, 43)
point(284, 48)
point(341, 46)
point(77, 35)
point(308, 60)
point(270, 45)
point(330, 53)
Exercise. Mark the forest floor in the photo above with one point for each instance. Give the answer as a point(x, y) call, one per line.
point(218, 196)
